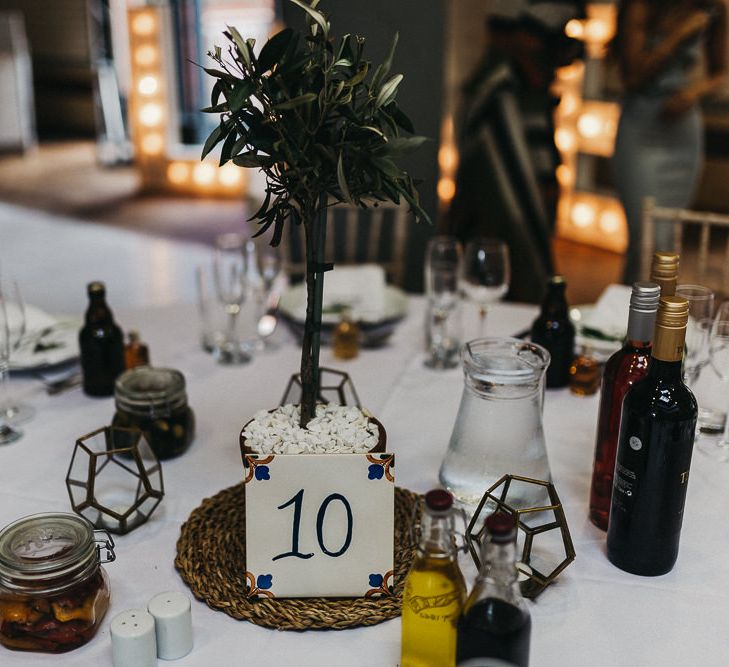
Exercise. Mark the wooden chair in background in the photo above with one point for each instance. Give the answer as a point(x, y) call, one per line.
point(355, 235)
point(704, 261)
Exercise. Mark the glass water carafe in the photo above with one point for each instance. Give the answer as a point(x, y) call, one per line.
point(498, 429)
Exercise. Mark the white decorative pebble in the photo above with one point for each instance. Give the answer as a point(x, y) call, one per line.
point(335, 429)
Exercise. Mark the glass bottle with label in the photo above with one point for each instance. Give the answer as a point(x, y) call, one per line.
point(654, 455)
point(434, 589)
point(495, 627)
point(554, 331)
point(101, 344)
point(628, 365)
point(136, 353)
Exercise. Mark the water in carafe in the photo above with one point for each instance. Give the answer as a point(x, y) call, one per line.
point(498, 429)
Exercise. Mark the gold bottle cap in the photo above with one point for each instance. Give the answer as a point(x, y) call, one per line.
point(671, 323)
point(665, 264)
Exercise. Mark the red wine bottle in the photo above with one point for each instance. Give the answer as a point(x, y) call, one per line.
point(626, 366)
point(102, 345)
point(495, 625)
point(554, 331)
point(654, 455)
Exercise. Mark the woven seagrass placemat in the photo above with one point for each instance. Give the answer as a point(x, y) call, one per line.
point(211, 560)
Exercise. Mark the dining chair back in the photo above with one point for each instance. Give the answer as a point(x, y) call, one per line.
point(355, 235)
point(700, 237)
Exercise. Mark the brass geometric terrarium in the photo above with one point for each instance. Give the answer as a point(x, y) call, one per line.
point(335, 387)
point(543, 537)
point(114, 479)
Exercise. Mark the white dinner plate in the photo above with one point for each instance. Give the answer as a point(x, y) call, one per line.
point(54, 344)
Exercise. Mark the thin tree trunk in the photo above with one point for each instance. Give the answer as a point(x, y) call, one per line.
point(315, 233)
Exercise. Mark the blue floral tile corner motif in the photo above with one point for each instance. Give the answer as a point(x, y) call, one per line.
point(259, 586)
point(380, 466)
point(380, 584)
point(256, 467)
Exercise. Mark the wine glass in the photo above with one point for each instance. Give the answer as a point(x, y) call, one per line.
point(443, 268)
point(229, 276)
point(719, 356)
point(13, 411)
point(8, 434)
point(269, 268)
point(486, 274)
point(701, 308)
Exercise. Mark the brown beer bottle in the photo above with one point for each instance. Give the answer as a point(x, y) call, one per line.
point(102, 345)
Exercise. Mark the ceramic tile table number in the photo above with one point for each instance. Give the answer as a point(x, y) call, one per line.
point(319, 525)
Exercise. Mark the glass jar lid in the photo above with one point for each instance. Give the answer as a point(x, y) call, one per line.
point(148, 391)
point(50, 549)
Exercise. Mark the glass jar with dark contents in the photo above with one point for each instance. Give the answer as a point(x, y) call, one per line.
point(53, 590)
point(154, 401)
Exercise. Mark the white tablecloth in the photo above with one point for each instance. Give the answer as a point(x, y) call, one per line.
point(594, 615)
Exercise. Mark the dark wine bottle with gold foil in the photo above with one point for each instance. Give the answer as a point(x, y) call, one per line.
point(624, 368)
point(664, 272)
point(654, 455)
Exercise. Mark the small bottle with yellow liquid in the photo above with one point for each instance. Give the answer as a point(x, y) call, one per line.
point(346, 336)
point(434, 589)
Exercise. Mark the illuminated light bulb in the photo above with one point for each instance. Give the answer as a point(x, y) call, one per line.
point(230, 176)
point(446, 189)
point(565, 140)
point(203, 173)
point(574, 28)
point(152, 144)
point(569, 104)
point(565, 176)
point(146, 55)
point(144, 24)
point(447, 157)
point(178, 173)
point(150, 115)
point(590, 125)
point(583, 214)
point(610, 222)
point(148, 85)
point(597, 31)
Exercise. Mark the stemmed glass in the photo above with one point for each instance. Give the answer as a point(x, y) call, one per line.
point(443, 269)
point(719, 356)
point(13, 411)
point(8, 434)
point(486, 274)
point(701, 308)
point(270, 265)
point(229, 276)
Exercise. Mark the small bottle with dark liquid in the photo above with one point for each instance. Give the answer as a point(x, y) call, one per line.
point(136, 353)
point(495, 626)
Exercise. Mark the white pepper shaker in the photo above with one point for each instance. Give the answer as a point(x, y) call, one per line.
point(133, 640)
point(173, 624)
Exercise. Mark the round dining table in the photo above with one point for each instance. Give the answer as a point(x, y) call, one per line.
point(594, 614)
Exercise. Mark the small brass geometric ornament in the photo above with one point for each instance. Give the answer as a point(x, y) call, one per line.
point(543, 536)
point(114, 479)
point(335, 387)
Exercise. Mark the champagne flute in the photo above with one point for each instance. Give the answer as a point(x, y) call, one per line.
point(229, 274)
point(13, 411)
point(719, 356)
point(486, 275)
point(8, 434)
point(443, 268)
point(701, 308)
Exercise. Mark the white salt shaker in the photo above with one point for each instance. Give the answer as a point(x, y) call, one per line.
point(173, 623)
point(133, 641)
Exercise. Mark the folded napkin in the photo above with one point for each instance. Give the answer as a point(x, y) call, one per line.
point(35, 319)
point(609, 317)
point(361, 288)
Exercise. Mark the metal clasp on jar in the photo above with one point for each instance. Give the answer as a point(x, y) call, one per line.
point(106, 544)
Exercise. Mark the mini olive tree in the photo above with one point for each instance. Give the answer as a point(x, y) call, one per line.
point(311, 113)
